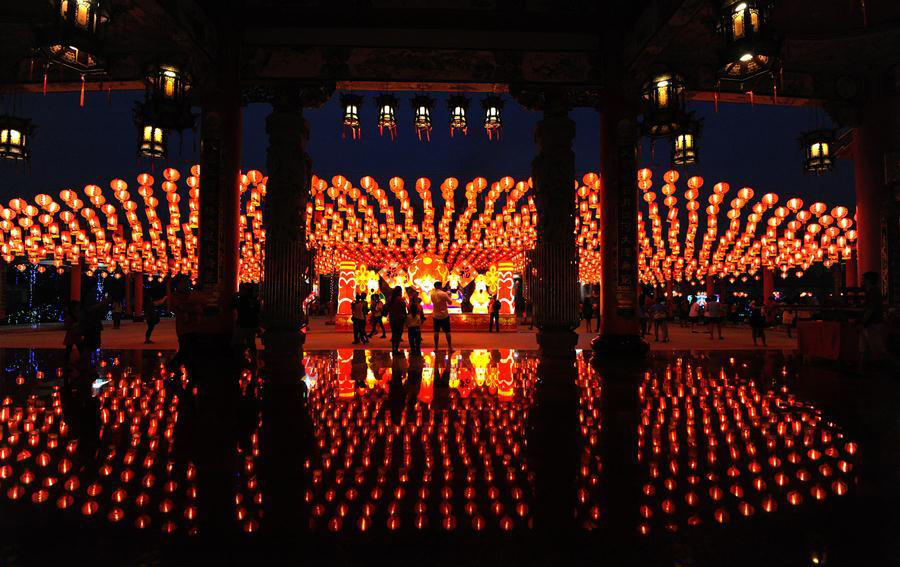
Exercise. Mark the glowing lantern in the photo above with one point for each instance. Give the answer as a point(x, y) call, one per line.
point(817, 148)
point(387, 114)
point(15, 133)
point(74, 41)
point(422, 106)
point(351, 122)
point(459, 109)
point(748, 49)
point(493, 124)
point(684, 143)
point(663, 97)
point(152, 135)
point(167, 82)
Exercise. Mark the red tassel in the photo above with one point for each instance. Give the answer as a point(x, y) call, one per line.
point(716, 100)
point(45, 81)
point(865, 15)
point(750, 93)
point(82, 91)
point(775, 92)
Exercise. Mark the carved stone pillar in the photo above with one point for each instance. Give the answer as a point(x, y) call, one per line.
point(768, 277)
point(220, 167)
point(619, 331)
point(553, 446)
point(555, 257)
point(287, 280)
point(287, 259)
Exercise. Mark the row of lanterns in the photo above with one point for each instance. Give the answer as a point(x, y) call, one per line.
point(815, 234)
point(749, 51)
point(423, 107)
point(109, 235)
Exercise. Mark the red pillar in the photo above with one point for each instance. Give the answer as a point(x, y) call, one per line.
point(138, 296)
point(75, 283)
point(870, 143)
point(129, 282)
point(768, 277)
point(618, 231)
point(710, 286)
point(220, 164)
point(851, 273)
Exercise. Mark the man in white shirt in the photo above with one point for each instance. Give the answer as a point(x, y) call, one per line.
point(441, 300)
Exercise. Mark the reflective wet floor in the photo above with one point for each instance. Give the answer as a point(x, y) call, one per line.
point(684, 458)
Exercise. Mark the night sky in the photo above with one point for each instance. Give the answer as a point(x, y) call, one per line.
point(743, 145)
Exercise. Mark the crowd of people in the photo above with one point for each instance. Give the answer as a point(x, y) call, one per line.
point(367, 317)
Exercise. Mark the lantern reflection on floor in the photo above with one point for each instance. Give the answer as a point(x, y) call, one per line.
point(426, 444)
point(109, 455)
point(715, 446)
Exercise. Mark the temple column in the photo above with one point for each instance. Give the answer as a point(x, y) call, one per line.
point(553, 436)
point(287, 281)
point(138, 297)
point(710, 286)
point(129, 282)
point(3, 272)
point(871, 143)
point(768, 281)
point(619, 328)
point(75, 283)
point(851, 273)
point(220, 167)
point(284, 284)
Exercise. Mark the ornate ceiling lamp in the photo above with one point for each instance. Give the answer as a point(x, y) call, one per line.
point(748, 47)
point(422, 106)
point(152, 137)
point(686, 142)
point(663, 97)
point(15, 133)
point(387, 114)
point(74, 40)
point(818, 147)
point(459, 110)
point(351, 122)
point(167, 96)
point(493, 124)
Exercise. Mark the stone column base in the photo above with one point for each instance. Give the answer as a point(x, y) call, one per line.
point(620, 345)
point(282, 353)
point(557, 343)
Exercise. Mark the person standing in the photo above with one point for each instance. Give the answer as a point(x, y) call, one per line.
point(441, 300)
point(358, 310)
point(188, 308)
point(757, 322)
point(397, 318)
point(587, 312)
point(715, 313)
point(151, 316)
point(694, 315)
point(659, 313)
point(117, 309)
point(377, 315)
point(414, 329)
point(494, 317)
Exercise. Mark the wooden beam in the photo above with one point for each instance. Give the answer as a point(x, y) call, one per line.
point(394, 86)
point(744, 98)
point(75, 86)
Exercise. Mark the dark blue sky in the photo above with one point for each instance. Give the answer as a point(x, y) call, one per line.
point(745, 146)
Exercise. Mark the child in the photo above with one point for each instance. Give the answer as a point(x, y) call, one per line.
point(414, 321)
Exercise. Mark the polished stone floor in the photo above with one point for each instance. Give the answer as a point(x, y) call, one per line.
point(685, 458)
